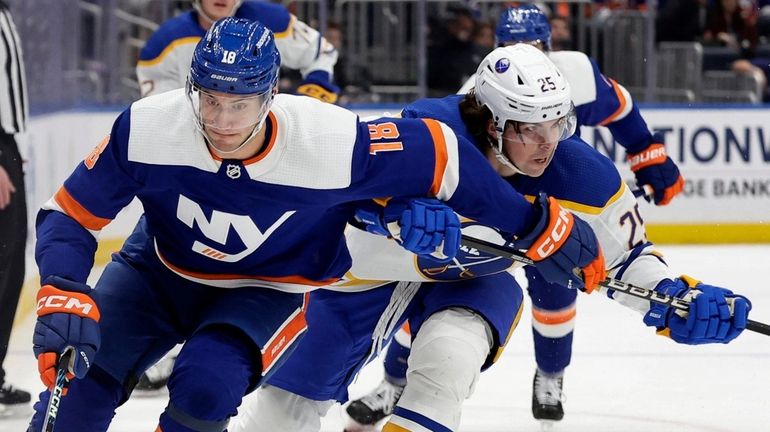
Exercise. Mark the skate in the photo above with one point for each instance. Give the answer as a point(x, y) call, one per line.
point(367, 411)
point(14, 402)
point(547, 398)
point(154, 380)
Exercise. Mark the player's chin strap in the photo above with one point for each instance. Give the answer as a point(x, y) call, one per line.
point(498, 149)
point(254, 132)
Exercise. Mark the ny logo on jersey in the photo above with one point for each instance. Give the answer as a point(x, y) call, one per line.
point(218, 228)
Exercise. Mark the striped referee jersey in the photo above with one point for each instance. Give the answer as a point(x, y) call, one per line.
point(13, 85)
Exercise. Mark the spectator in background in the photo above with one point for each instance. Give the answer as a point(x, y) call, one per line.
point(728, 24)
point(13, 204)
point(561, 36)
point(681, 21)
point(451, 56)
point(354, 85)
point(484, 39)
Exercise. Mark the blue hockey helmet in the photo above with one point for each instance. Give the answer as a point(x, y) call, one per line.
point(236, 56)
point(233, 76)
point(526, 23)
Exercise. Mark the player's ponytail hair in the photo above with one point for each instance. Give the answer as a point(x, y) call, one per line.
point(476, 117)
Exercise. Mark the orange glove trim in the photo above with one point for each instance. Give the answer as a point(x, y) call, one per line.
point(594, 273)
point(53, 300)
point(46, 365)
point(652, 155)
point(672, 191)
point(560, 224)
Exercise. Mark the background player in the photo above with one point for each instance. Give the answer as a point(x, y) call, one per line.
point(518, 126)
point(165, 60)
point(248, 160)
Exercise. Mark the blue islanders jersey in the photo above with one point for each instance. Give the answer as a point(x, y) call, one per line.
point(580, 178)
point(274, 220)
point(164, 62)
point(599, 100)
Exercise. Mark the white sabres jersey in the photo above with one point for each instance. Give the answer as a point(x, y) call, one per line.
point(164, 62)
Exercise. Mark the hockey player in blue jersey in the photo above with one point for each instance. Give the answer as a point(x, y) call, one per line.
point(165, 59)
point(228, 155)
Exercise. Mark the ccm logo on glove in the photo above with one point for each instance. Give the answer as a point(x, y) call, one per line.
point(554, 236)
point(52, 300)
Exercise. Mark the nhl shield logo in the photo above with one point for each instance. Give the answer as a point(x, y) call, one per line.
point(233, 171)
point(502, 65)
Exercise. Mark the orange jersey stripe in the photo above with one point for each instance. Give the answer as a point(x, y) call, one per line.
point(554, 317)
point(295, 279)
point(621, 99)
point(284, 337)
point(76, 211)
point(442, 157)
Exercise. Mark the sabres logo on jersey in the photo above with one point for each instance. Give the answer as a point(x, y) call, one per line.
point(469, 262)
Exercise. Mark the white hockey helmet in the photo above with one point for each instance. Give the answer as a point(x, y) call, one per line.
point(520, 84)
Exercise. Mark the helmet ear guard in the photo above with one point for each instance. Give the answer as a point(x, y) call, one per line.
point(520, 84)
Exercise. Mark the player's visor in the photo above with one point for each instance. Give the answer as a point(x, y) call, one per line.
point(224, 111)
point(551, 131)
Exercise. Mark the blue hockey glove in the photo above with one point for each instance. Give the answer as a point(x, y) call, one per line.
point(653, 167)
point(564, 247)
point(424, 226)
point(318, 85)
point(67, 317)
point(716, 315)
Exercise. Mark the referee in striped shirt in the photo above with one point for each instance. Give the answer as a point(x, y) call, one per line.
point(13, 205)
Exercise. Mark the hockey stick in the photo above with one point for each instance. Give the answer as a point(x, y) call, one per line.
point(645, 191)
point(60, 386)
point(613, 284)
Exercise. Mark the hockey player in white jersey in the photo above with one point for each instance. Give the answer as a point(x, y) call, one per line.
point(525, 132)
point(246, 195)
point(599, 101)
point(165, 59)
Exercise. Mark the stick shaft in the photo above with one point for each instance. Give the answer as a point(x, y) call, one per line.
point(60, 386)
point(613, 284)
